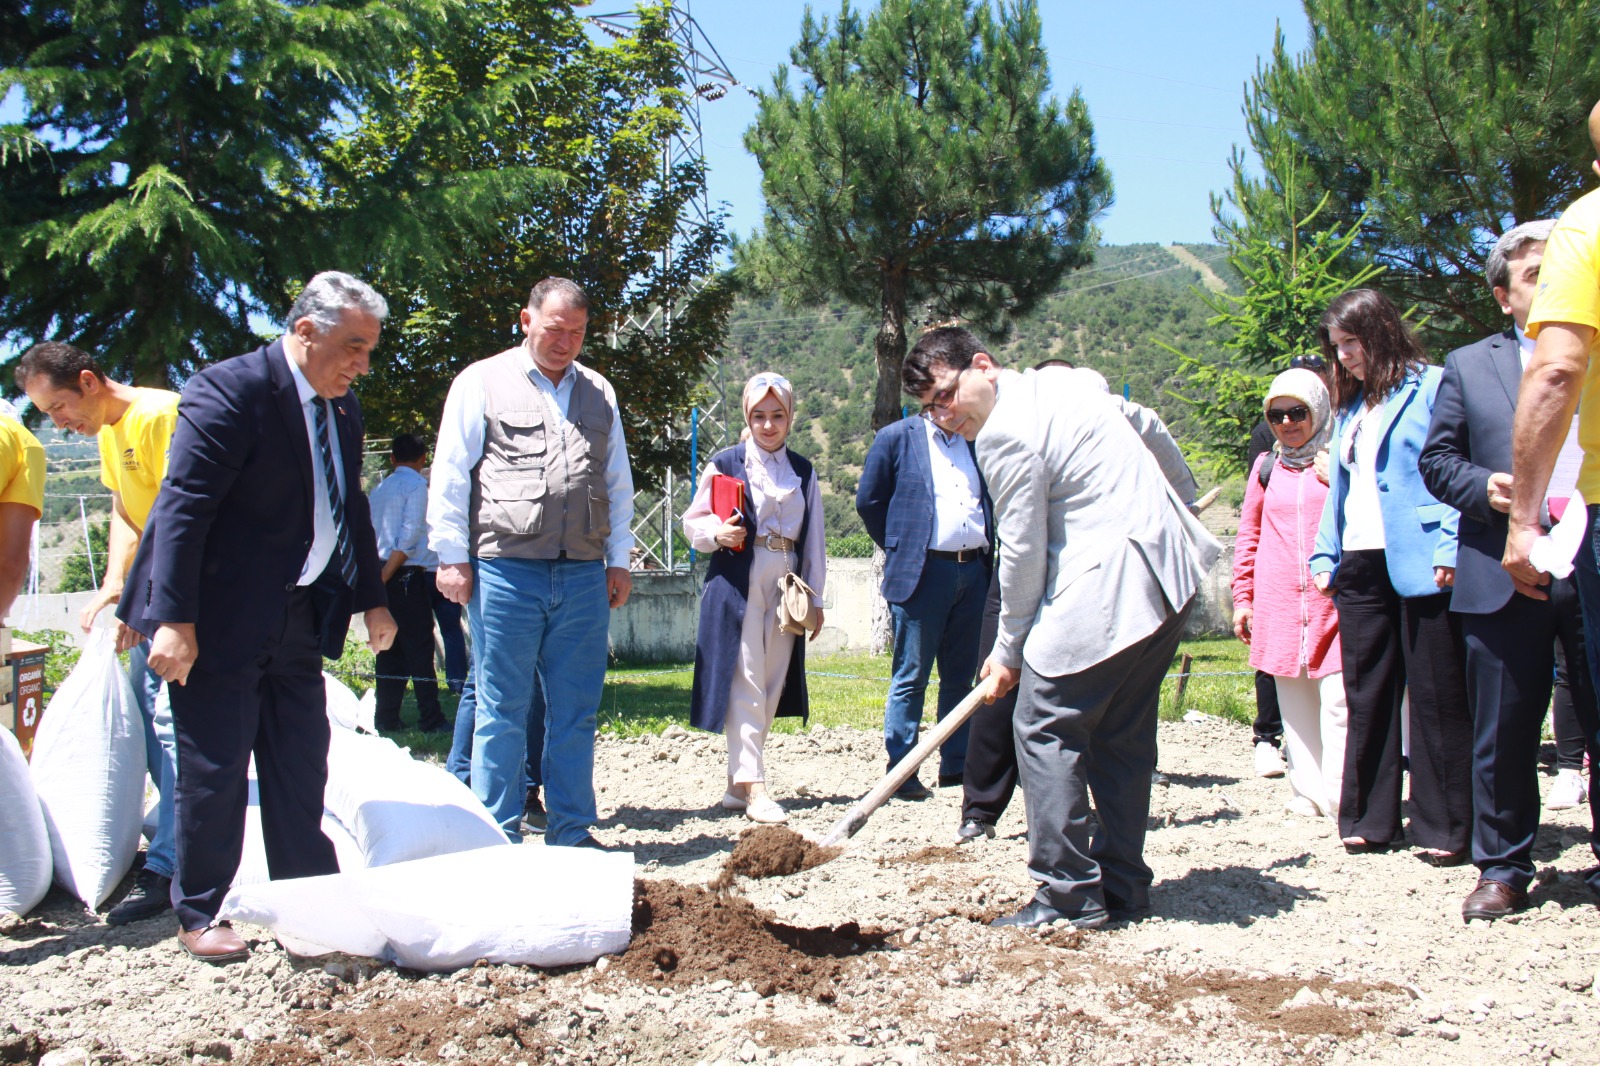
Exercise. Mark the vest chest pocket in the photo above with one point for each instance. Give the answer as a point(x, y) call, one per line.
point(522, 437)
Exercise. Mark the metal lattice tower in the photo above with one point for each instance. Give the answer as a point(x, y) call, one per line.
point(705, 77)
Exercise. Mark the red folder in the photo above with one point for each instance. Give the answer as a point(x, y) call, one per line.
point(727, 498)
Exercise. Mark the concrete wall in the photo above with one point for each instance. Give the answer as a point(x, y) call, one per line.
point(658, 622)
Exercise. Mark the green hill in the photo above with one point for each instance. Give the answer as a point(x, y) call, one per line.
point(1108, 316)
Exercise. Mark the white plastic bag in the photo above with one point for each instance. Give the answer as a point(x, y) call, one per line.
point(367, 711)
point(89, 768)
point(528, 905)
point(344, 709)
point(24, 842)
point(398, 808)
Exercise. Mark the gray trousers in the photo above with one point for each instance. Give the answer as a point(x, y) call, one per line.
point(1093, 732)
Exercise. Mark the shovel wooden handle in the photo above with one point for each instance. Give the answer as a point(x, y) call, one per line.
point(857, 816)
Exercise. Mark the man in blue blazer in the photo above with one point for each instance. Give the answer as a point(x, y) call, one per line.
point(1510, 638)
point(924, 503)
point(258, 549)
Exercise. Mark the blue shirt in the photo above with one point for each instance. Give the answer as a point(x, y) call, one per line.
point(400, 518)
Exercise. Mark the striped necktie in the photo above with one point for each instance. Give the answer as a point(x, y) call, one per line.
point(342, 550)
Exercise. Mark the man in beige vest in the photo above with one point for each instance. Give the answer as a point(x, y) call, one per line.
point(529, 510)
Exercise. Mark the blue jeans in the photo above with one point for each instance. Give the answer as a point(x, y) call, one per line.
point(459, 761)
point(538, 620)
point(448, 615)
point(160, 752)
point(940, 621)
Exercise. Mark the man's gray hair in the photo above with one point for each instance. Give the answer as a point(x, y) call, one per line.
point(569, 292)
point(326, 296)
point(1514, 241)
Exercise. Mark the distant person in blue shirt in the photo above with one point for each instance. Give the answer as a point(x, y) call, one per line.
point(400, 517)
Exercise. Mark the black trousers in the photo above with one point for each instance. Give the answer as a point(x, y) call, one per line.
point(1268, 726)
point(1510, 665)
point(411, 654)
point(991, 770)
point(1390, 643)
point(276, 707)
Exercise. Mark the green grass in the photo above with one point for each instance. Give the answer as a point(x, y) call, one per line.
point(846, 690)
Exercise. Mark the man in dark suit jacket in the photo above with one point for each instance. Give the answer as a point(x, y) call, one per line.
point(258, 549)
point(924, 503)
point(1510, 637)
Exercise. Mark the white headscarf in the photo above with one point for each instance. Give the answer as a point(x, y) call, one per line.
point(1306, 386)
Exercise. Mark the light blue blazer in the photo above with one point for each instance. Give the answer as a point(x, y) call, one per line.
point(1419, 532)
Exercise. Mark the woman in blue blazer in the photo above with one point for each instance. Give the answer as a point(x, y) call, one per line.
point(1386, 553)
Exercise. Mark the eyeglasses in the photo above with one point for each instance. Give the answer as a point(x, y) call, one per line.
point(941, 400)
point(1307, 361)
point(1294, 414)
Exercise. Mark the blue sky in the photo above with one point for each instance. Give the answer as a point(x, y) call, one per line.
point(1164, 82)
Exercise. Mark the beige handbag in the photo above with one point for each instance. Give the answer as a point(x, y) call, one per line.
point(797, 613)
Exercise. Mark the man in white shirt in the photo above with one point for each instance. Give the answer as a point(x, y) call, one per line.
point(529, 511)
point(924, 503)
point(400, 519)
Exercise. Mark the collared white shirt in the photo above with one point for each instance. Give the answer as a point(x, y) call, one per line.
point(957, 493)
point(460, 447)
point(325, 539)
point(400, 518)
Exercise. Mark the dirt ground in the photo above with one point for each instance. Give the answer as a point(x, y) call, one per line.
point(1268, 944)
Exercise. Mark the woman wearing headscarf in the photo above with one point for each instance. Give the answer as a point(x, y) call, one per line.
point(1292, 630)
point(746, 668)
point(1386, 552)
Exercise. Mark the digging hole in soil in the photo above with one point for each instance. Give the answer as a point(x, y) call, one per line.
point(685, 935)
point(771, 851)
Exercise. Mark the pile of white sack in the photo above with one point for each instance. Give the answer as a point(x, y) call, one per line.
point(427, 878)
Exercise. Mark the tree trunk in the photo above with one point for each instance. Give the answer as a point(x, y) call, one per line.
point(891, 352)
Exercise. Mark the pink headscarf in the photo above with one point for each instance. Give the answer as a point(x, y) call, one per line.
point(756, 389)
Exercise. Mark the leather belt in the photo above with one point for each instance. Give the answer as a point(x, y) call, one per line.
point(774, 543)
point(965, 555)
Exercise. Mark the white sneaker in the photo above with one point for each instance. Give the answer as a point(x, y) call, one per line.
point(1303, 806)
point(765, 809)
point(731, 802)
point(1568, 791)
point(1269, 763)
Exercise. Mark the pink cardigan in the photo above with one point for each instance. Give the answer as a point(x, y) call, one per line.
point(1295, 626)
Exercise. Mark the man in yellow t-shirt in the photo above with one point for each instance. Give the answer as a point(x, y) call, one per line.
point(1565, 324)
point(134, 426)
point(21, 504)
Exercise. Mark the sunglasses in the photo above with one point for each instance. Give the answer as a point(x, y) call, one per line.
point(1293, 414)
point(771, 381)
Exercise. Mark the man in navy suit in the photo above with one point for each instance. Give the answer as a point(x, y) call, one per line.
point(259, 548)
point(924, 503)
point(1510, 638)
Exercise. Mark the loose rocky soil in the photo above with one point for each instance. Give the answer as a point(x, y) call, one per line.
point(1267, 944)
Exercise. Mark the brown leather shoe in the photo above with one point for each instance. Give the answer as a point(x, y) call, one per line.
point(1492, 899)
point(217, 943)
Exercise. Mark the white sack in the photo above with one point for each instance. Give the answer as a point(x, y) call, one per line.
point(89, 768)
point(25, 852)
point(253, 860)
point(530, 905)
point(399, 808)
point(344, 709)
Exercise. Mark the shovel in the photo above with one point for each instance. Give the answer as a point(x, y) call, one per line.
point(857, 816)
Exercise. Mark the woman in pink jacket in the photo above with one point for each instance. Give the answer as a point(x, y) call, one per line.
point(1292, 629)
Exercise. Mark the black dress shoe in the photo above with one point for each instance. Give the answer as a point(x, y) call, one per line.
point(1372, 847)
point(1449, 858)
point(952, 780)
point(534, 818)
point(1036, 914)
point(589, 841)
point(973, 829)
point(1492, 899)
point(913, 789)
point(1120, 910)
point(150, 895)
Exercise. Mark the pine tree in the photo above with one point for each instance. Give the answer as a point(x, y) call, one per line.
point(1434, 128)
point(151, 198)
point(919, 163)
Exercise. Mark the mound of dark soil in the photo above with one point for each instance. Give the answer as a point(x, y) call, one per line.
point(684, 935)
point(771, 851)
